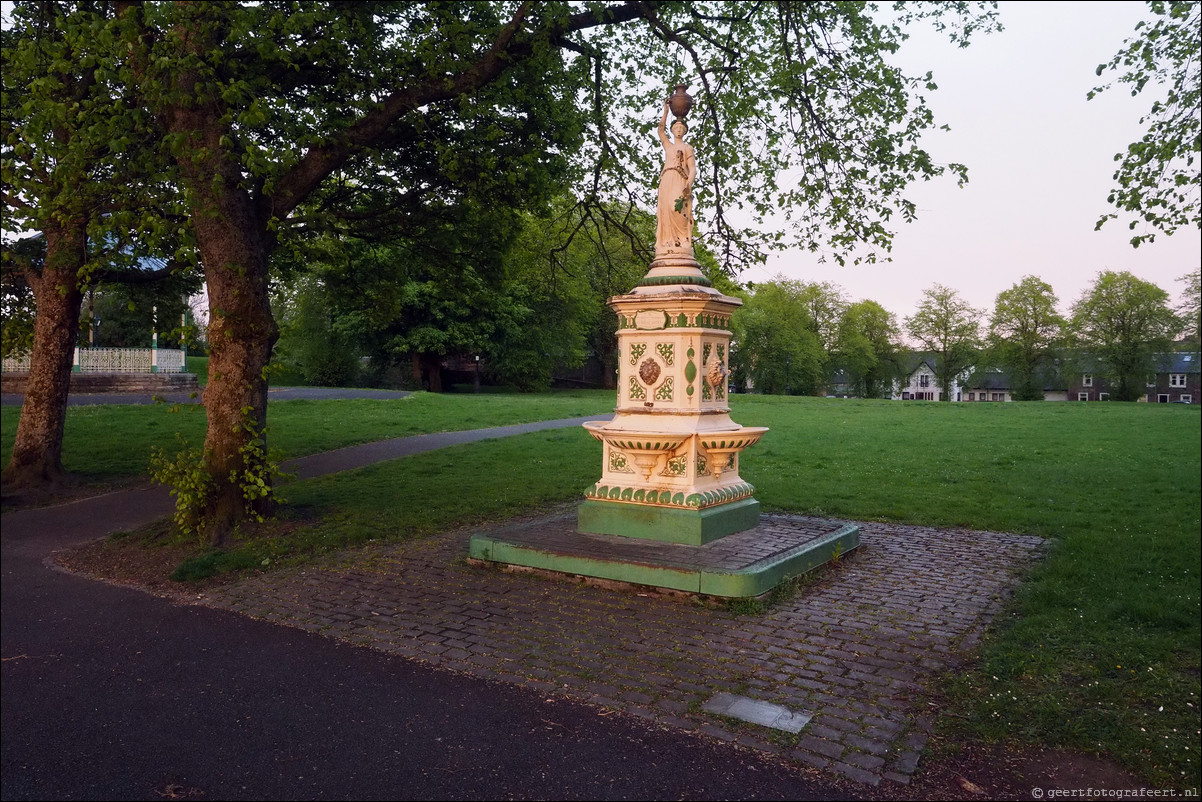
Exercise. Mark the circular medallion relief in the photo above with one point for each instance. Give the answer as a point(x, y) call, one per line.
point(649, 371)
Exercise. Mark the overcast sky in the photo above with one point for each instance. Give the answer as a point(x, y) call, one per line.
point(1040, 159)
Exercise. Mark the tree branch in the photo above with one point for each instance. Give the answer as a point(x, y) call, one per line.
point(507, 49)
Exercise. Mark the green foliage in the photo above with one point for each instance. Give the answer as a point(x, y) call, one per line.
point(782, 336)
point(76, 148)
point(1123, 320)
point(1158, 180)
point(868, 348)
point(190, 483)
point(314, 341)
point(185, 472)
point(257, 473)
point(950, 328)
point(1190, 308)
point(18, 307)
point(1024, 331)
point(563, 268)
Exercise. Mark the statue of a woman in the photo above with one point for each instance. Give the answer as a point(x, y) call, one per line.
point(674, 211)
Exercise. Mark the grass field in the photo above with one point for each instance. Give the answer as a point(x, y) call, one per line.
point(114, 441)
point(1099, 651)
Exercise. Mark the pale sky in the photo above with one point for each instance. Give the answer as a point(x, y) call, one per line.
point(1040, 160)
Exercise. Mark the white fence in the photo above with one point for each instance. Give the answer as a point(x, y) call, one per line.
point(114, 360)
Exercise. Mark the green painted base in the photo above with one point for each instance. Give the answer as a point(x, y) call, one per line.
point(692, 527)
point(588, 557)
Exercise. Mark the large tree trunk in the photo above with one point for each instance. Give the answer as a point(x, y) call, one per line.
point(38, 450)
point(234, 249)
point(242, 334)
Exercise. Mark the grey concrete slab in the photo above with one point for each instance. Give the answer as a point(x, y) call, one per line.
point(757, 711)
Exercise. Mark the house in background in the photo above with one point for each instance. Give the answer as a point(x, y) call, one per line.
point(1176, 380)
point(995, 384)
point(919, 382)
point(988, 385)
point(1087, 381)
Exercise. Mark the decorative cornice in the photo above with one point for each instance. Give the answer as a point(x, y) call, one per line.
point(669, 498)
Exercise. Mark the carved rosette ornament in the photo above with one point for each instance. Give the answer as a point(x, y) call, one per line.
point(649, 372)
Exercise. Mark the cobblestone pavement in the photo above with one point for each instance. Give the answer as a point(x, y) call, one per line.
point(854, 649)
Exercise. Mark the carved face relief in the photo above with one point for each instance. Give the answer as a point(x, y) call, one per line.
point(649, 371)
point(715, 372)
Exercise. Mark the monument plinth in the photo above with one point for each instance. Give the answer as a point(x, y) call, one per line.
point(670, 455)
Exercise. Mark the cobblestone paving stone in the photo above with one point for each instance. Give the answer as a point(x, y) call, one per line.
point(854, 649)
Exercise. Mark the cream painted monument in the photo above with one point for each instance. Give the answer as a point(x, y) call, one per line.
point(670, 463)
point(670, 509)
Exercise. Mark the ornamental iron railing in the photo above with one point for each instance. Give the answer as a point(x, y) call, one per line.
point(114, 360)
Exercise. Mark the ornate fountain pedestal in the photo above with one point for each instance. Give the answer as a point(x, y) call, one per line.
point(670, 510)
point(670, 462)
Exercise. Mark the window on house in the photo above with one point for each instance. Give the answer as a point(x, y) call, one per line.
point(924, 380)
point(1162, 398)
point(972, 396)
point(1082, 396)
point(995, 397)
point(1103, 396)
point(1176, 380)
point(1087, 380)
point(1186, 398)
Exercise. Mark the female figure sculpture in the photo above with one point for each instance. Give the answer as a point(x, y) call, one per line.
point(674, 210)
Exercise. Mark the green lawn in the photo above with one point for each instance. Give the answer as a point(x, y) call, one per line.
point(113, 441)
point(1099, 650)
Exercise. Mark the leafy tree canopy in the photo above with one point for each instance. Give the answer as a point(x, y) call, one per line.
point(1190, 308)
point(868, 348)
point(1024, 330)
point(1123, 321)
point(1158, 180)
point(777, 345)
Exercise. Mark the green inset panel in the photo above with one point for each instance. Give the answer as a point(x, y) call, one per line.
point(688, 525)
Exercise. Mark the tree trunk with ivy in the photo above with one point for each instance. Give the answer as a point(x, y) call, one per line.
point(37, 452)
point(242, 334)
point(234, 249)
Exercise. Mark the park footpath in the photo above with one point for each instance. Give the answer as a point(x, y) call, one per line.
point(853, 654)
point(854, 651)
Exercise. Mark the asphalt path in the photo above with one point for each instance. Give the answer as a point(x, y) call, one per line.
point(112, 693)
